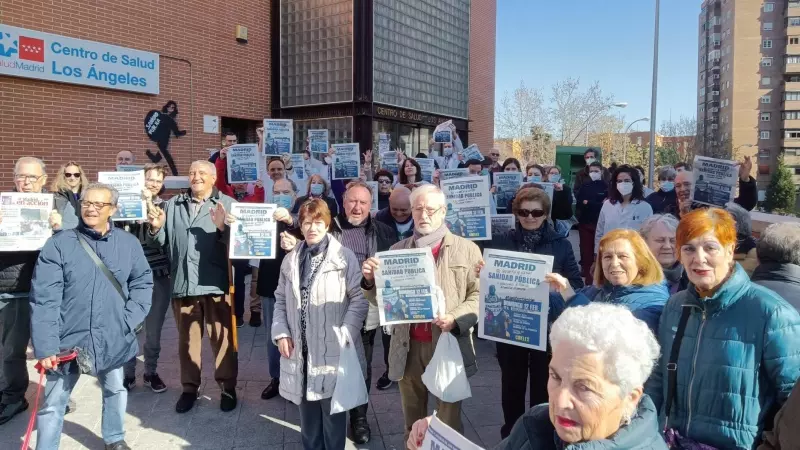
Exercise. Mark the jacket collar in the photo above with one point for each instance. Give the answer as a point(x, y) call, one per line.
point(336, 223)
point(788, 273)
point(94, 235)
point(549, 233)
point(725, 296)
point(186, 196)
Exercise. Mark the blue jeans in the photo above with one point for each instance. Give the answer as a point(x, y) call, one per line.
point(273, 355)
point(50, 418)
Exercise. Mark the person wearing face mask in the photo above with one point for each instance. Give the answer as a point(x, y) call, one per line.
point(384, 179)
point(317, 188)
point(562, 195)
point(625, 207)
point(534, 173)
point(665, 195)
point(658, 231)
point(647, 191)
point(583, 177)
point(589, 202)
point(737, 359)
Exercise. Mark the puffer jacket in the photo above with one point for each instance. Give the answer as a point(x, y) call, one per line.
point(645, 302)
point(534, 431)
point(738, 361)
point(335, 300)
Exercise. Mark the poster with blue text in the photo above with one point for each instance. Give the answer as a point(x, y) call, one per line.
point(428, 166)
point(242, 163)
point(346, 161)
point(384, 143)
point(130, 185)
point(506, 185)
point(254, 233)
point(318, 141)
point(472, 152)
point(278, 136)
point(468, 207)
point(389, 162)
point(502, 223)
point(441, 437)
point(405, 285)
point(514, 298)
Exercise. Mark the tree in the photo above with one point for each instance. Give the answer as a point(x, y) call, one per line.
point(781, 194)
point(683, 126)
point(522, 117)
point(576, 112)
point(667, 156)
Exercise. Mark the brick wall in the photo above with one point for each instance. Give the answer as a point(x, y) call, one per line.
point(483, 25)
point(203, 69)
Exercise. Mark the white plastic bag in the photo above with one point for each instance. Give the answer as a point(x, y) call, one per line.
point(445, 376)
point(351, 389)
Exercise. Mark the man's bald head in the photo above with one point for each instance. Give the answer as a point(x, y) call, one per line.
point(400, 204)
point(125, 157)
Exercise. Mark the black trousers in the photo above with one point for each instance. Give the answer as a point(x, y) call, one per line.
point(520, 366)
point(15, 332)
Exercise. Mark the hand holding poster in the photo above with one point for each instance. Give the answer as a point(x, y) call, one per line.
point(318, 141)
point(130, 185)
point(506, 185)
point(449, 174)
point(406, 286)
point(253, 235)
point(441, 437)
point(428, 165)
point(242, 163)
point(468, 207)
point(346, 161)
point(714, 181)
point(24, 221)
point(514, 298)
point(502, 224)
point(279, 136)
point(472, 152)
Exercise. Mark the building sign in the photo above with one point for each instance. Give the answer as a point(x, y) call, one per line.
point(33, 54)
point(386, 112)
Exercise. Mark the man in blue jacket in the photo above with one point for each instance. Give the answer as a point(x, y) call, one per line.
point(75, 305)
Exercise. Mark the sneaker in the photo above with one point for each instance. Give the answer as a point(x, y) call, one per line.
point(129, 383)
point(154, 382)
point(119, 445)
point(186, 402)
point(71, 407)
point(239, 322)
point(272, 389)
point(8, 411)
point(384, 382)
point(227, 401)
point(255, 320)
point(361, 431)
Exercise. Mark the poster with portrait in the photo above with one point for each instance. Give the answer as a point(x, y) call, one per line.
point(26, 221)
point(472, 152)
point(405, 284)
point(428, 166)
point(714, 181)
point(318, 142)
point(130, 185)
point(468, 207)
point(389, 163)
point(254, 234)
point(278, 136)
point(514, 298)
point(506, 185)
point(346, 161)
point(242, 162)
point(373, 188)
point(441, 437)
point(384, 143)
point(502, 224)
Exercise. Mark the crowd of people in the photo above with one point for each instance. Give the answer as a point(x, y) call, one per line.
point(672, 328)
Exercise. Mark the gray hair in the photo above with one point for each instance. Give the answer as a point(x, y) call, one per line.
point(102, 187)
point(780, 243)
point(627, 346)
point(288, 180)
point(356, 184)
point(666, 173)
point(208, 165)
point(668, 220)
point(29, 160)
point(425, 190)
point(744, 226)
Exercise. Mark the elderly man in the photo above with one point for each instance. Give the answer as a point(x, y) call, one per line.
point(91, 287)
point(194, 227)
point(398, 214)
point(495, 156)
point(778, 253)
point(684, 183)
point(125, 158)
point(16, 270)
point(412, 346)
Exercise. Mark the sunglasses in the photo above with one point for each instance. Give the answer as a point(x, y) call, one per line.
point(536, 213)
point(495, 154)
point(72, 175)
point(384, 181)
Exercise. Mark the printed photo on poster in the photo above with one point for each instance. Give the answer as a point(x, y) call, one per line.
point(472, 152)
point(346, 161)
point(506, 185)
point(714, 181)
point(406, 286)
point(384, 143)
point(514, 298)
point(502, 224)
point(373, 188)
point(441, 437)
point(449, 174)
point(318, 141)
point(549, 189)
point(468, 207)
point(442, 136)
point(279, 136)
point(428, 166)
point(253, 235)
point(130, 205)
point(243, 163)
point(26, 221)
point(389, 162)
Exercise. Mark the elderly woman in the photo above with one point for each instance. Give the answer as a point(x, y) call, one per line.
point(70, 181)
point(659, 233)
point(745, 251)
point(662, 199)
point(317, 188)
point(327, 278)
point(601, 357)
point(734, 342)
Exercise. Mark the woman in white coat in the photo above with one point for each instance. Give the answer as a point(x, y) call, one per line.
point(625, 206)
point(319, 289)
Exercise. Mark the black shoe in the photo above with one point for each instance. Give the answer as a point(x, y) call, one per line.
point(272, 389)
point(186, 402)
point(384, 382)
point(239, 322)
point(129, 383)
point(154, 382)
point(361, 432)
point(255, 320)
point(119, 445)
point(227, 401)
point(7, 412)
point(71, 407)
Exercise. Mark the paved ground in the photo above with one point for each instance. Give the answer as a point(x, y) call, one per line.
point(152, 423)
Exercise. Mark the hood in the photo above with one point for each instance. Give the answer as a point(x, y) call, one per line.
point(635, 296)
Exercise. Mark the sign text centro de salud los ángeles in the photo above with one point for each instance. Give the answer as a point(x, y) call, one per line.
point(33, 54)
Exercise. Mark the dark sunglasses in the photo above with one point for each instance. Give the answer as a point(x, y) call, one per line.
point(495, 154)
point(384, 181)
point(72, 175)
point(536, 213)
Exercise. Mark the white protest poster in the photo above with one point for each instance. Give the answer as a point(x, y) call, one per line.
point(253, 235)
point(26, 221)
point(502, 224)
point(441, 437)
point(405, 283)
point(448, 174)
point(243, 163)
point(443, 133)
point(714, 181)
point(506, 185)
point(468, 207)
point(346, 161)
point(299, 174)
point(318, 141)
point(472, 152)
point(428, 165)
point(130, 205)
point(373, 188)
point(514, 298)
point(384, 143)
point(389, 163)
point(549, 189)
point(129, 167)
point(279, 136)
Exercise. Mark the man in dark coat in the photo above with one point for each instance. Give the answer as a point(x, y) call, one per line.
point(778, 253)
point(583, 177)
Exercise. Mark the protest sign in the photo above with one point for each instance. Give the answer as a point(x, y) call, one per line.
point(298, 173)
point(389, 162)
point(346, 161)
point(549, 189)
point(441, 437)
point(26, 221)
point(514, 298)
point(279, 137)
point(449, 174)
point(254, 234)
point(472, 152)
point(130, 185)
point(714, 181)
point(468, 207)
point(506, 185)
point(442, 136)
point(318, 141)
point(129, 167)
point(405, 283)
point(384, 143)
point(242, 163)
point(428, 165)
point(373, 188)
point(502, 224)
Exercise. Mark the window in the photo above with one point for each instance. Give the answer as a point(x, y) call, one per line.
point(765, 135)
point(767, 26)
point(702, 91)
point(766, 99)
point(765, 81)
point(794, 78)
point(728, 84)
point(766, 43)
point(769, 7)
point(797, 170)
point(792, 134)
point(794, 21)
point(765, 116)
point(766, 62)
point(793, 59)
point(763, 169)
point(791, 96)
point(794, 3)
point(791, 115)
point(794, 40)
point(763, 154)
point(728, 101)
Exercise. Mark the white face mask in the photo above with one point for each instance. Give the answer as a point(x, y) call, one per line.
point(595, 176)
point(589, 161)
point(625, 188)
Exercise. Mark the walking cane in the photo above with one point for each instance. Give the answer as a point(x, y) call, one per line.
point(231, 291)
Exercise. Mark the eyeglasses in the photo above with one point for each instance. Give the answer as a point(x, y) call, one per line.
point(495, 154)
point(96, 205)
point(536, 213)
point(384, 181)
point(429, 211)
point(28, 178)
point(72, 175)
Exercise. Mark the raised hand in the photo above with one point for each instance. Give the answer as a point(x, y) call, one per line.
point(744, 169)
point(219, 216)
point(282, 215)
point(55, 220)
point(156, 219)
point(288, 242)
point(369, 268)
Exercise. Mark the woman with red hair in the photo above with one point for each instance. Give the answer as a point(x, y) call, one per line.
point(729, 347)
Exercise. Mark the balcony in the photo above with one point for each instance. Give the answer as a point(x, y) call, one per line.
point(791, 123)
point(793, 49)
point(792, 86)
point(792, 68)
point(791, 105)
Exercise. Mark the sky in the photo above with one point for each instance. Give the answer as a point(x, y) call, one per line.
point(610, 41)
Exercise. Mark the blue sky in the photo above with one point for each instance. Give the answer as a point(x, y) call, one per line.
point(611, 41)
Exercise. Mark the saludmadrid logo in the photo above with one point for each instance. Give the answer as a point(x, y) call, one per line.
point(19, 65)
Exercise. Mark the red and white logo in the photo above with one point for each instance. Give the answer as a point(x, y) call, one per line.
point(31, 49)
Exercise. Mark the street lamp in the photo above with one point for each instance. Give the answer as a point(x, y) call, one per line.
point(653, 101)
point(625, 138)
point(612, 105)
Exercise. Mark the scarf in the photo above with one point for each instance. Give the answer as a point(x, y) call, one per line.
point(429, 240)
point(306, 253)
point(673, 275)
point(532, 238)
